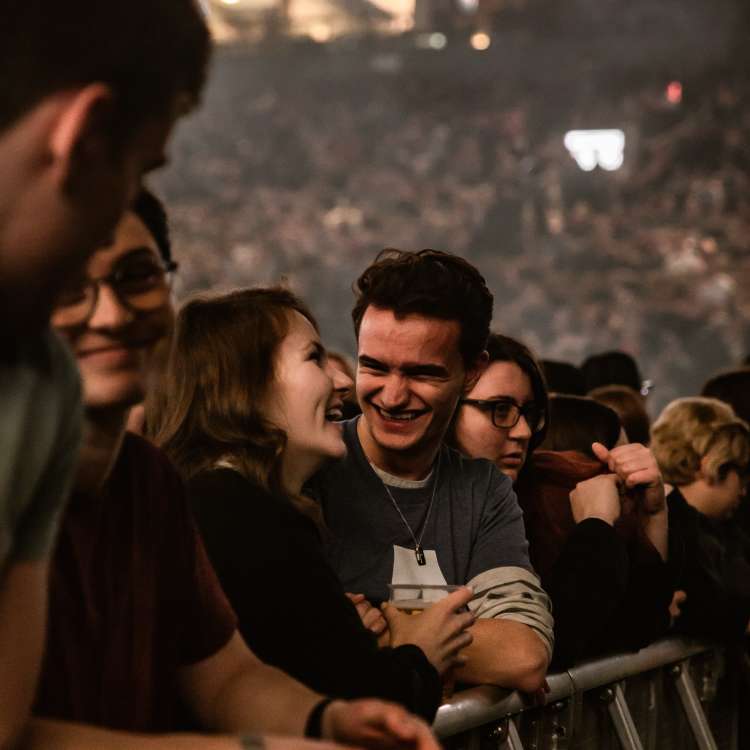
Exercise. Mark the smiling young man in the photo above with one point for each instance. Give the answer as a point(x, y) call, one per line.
point(82, 116)
point(405, 509)
point(139, 626)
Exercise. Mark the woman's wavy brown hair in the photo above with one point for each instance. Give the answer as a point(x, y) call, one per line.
point(220, 369)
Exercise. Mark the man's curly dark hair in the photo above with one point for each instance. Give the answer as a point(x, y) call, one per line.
point(431, 283)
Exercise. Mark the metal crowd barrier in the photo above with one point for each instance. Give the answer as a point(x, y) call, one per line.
point(676, 693)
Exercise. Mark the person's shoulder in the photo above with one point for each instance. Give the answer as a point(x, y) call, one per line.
point(224, 484)
point(475, 472)
point(679, 508)
point(142, 458)
point(224, 490)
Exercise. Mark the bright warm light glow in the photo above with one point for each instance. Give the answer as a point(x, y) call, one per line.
point(230, 2)
point(674, 92)
point(480, 41)
point(320, 32)
point(596, 148)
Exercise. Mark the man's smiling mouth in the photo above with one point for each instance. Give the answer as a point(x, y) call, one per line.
point(407, 415)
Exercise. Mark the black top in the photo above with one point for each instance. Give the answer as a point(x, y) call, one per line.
point(610, 588)
point(712, 565)
point(608, 595)
point(292, 609)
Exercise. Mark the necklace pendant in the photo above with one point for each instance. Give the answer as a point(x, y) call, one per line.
point(419, 554)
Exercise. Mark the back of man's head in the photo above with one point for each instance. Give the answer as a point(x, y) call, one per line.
point(611, 368)
point(433, 284)
point(147, 51)
point(563, 377)
point(733, 388)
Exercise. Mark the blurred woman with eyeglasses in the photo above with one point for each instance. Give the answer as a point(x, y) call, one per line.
point(596, 523)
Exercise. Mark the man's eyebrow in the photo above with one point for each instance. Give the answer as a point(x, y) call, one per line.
point(366, 361)
point(136, 252)
point(437, 371)
point(139, 252)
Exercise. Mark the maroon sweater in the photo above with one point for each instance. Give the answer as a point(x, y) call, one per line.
point(132, 599)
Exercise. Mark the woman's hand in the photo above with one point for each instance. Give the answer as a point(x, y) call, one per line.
point(371, 617)
point(597, 497)
point(440, 631)
point(636, 468)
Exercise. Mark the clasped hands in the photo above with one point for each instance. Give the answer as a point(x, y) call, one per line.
point(440, 631)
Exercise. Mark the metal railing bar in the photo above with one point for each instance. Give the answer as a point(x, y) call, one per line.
point(621, 666)
point(471, 708)
point(482, 705)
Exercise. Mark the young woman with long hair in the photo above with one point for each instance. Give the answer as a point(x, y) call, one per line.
point(250, 414)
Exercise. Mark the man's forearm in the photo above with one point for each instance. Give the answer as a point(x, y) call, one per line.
point(233, 691)
point(63, 735)
point(23, 610)
point(505, 653)
point(265, 700)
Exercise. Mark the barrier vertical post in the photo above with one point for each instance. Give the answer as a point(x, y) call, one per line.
point(506, 735)
point(692, 706)
point(621, 718)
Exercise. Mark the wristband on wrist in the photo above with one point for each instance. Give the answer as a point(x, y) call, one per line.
point(314, 723)
point(252, 741)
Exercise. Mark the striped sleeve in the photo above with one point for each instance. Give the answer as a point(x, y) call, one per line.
point(512, 593)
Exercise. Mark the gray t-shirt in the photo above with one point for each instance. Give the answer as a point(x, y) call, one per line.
point(475, 524)
point(40, 433)
point(473, 534)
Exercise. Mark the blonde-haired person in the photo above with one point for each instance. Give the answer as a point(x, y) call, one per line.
point(703, 450)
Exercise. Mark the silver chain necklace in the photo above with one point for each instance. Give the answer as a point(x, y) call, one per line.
point(418, 551)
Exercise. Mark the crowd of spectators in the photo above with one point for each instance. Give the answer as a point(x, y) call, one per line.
point(306, 160)
point(149, 582)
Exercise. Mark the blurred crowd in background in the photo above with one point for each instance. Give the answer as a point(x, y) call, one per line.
point(307, 159)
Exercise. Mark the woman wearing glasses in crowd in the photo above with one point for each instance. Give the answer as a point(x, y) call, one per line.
point(252, 413)
point(600, 557)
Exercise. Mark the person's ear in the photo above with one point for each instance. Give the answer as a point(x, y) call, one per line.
point(82, 134)
point(475, 371)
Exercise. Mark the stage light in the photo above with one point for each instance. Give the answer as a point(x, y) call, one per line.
point(596, 148)
point(480, 41)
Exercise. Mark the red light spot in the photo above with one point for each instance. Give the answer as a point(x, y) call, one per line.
point(674, 92)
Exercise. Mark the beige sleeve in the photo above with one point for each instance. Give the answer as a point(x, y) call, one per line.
point(512, 593)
